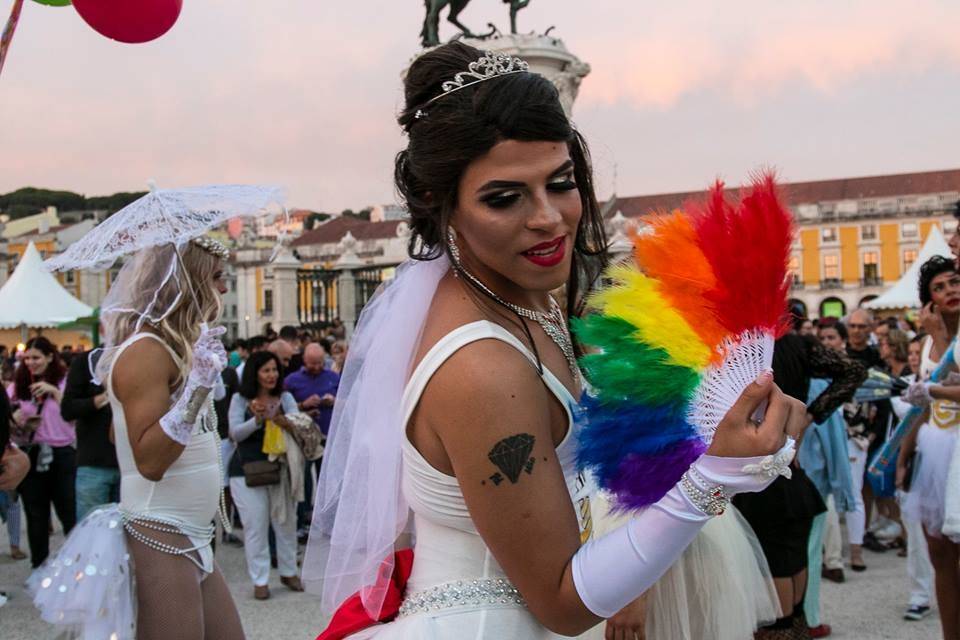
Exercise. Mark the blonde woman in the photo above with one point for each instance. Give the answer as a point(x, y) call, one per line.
point(159, 365)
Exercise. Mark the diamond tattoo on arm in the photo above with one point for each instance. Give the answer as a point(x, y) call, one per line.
point(512, 457)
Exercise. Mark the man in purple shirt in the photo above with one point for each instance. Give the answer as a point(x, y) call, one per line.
point(313, 387)
point(315, 390)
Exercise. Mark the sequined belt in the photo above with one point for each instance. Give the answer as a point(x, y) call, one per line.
point(462, 593)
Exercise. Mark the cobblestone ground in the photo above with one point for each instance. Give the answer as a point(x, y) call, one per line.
point(869, 606)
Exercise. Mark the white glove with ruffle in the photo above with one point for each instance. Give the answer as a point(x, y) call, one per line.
point(209, 359)
point(918, 394)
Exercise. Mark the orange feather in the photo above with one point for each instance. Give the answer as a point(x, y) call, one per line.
point(669, 253)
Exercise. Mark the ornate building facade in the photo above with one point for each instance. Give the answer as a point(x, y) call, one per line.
point(856, 236)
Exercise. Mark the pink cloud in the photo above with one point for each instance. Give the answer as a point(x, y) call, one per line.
point(305, 93)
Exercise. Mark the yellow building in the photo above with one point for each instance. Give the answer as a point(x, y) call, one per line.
point(856, 236)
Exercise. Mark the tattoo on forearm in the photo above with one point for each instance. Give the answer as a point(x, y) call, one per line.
point(512, 457)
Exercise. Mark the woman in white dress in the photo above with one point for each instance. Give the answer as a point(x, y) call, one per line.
point(159, 367)
point(454, 425)
point(934, 438)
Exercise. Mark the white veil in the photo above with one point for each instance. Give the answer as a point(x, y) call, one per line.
point(359, 510)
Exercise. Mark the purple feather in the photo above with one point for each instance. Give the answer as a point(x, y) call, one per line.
point(641, 480)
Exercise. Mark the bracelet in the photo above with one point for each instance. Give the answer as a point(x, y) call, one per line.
point(710, 499)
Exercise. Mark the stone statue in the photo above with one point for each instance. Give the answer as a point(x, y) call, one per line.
point(430, 34)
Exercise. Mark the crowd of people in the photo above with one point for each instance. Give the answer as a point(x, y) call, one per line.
point(902, 512)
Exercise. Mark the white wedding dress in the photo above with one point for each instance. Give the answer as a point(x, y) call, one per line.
point(457, 590)
point(719, 588)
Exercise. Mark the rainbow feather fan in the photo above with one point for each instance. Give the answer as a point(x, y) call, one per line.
point(677, 335)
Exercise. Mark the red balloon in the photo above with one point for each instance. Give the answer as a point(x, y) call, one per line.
point(131, 21)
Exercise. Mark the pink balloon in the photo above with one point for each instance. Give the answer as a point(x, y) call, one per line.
point(131, 21)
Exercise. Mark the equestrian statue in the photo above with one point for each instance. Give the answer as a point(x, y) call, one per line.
point(430, 34)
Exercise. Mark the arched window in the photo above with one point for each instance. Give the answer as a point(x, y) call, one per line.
point(833, 308)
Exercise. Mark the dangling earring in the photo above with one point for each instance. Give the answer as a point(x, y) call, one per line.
point(452, 244)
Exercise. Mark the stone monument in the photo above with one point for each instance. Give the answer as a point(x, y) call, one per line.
point(546, 54)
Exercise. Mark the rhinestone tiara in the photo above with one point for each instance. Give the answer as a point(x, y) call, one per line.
point(493, 64)
point(212, 246)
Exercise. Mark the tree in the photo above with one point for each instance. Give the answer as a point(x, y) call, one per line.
point(31, 200)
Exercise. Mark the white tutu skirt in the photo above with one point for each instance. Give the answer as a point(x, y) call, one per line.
point(720, 587)
point(86, 588)
point(926, 500)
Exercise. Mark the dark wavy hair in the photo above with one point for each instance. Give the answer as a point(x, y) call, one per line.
point(53, 374)
point(930, 270)
point(464, 125)
point(250, 384)
point(836, 324)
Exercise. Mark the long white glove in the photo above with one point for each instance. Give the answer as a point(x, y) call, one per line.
point(209, 359)
point(614, 570)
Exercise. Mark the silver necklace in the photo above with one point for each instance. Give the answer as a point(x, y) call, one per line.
point(552, 322)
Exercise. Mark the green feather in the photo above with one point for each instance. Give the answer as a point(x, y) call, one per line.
point(624, 369)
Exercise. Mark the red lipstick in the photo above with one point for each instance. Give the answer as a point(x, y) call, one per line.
point(547, 254)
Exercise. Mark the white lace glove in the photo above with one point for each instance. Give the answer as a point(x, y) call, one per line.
point(209, 359)
point(612, 571)
point(918, 394)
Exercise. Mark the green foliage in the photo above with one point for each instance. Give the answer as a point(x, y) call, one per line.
point(115, 202)
point(363, 214)
point(313, 219)
point(31, 200)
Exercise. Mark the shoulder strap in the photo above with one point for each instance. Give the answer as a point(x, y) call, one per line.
point(453, 342)
point(108, 383)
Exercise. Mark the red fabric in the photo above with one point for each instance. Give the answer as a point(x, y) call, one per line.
point(351, 616)
point(748, 244)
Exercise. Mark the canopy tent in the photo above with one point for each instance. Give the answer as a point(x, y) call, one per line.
point(905, 294)
point(32, 297)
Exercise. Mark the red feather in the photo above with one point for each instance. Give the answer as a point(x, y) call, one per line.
point(748, 245)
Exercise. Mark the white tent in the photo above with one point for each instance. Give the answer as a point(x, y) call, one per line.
point(905, 293)
point(32, 297)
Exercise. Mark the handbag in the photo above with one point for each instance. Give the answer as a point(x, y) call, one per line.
point(259, 473)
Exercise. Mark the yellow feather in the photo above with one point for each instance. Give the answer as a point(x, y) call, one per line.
point(635, 298)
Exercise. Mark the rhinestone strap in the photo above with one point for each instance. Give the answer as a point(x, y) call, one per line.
point(462, 593)
point(710, 499)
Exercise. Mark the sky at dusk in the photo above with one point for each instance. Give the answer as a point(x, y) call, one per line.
point(304, 93)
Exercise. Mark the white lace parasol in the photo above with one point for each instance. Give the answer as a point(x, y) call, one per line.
point(166, 216)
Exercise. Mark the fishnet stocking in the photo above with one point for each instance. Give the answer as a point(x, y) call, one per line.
point(174, 600)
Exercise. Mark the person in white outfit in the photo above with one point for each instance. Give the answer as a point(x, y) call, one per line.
point(159, 366)
point(259, 402)
point(934, 437)
point(454, 425)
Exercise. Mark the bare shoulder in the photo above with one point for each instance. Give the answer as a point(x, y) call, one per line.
point(485, 387)
point(140, 366)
